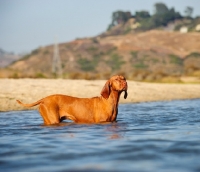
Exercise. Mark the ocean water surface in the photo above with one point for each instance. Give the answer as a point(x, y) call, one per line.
point(156, 136)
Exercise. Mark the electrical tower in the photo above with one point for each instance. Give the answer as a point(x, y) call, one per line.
point(56, 63)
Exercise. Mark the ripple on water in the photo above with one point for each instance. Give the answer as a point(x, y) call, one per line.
point(157, 136)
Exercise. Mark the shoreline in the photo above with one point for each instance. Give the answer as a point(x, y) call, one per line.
point(31, 90)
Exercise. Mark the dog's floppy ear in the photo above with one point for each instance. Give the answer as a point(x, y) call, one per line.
point(125, 94)
point(105, 92)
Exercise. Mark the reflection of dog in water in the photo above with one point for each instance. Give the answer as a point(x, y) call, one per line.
point(56, 108)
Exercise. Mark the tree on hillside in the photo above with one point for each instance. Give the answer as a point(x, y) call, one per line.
point(163, 15)
point(139, 15)
point(188, 11)
point(161, 8)
point(119, 17)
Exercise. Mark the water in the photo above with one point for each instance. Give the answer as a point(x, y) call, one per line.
point(157, 136)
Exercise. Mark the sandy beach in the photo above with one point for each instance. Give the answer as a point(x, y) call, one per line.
point(31, 90)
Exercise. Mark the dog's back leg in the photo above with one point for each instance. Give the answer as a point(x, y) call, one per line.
point(49, 114)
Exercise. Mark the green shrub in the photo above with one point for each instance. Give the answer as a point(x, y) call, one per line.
point(175, 59)
point(115, 62)
point(140, 65)
point(85, 64)
point(127, 30)
point(40, 75)
point(155, 60)
point(92, 49)
point(134, 54)
point(89, 65)
point(45, 52)
point(95, 40)
point(34, 52)
point(194, 54)
point(25, 57)
point(110, 51)
point(15, 75)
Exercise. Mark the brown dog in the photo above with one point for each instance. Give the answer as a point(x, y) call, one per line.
point(56, 108)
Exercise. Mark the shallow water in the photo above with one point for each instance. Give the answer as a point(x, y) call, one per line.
point(157, 136)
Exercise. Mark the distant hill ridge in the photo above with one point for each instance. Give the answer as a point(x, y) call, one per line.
point(147, 56)
point(142, 47)
point(6, 58)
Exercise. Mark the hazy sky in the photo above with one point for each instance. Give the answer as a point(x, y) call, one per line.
point(28, 24)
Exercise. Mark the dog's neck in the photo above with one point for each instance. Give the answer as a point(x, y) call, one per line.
point(114, 100)
point(112, 104)
point(114, 97)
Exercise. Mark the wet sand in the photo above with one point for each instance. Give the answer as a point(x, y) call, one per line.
point(31, 90)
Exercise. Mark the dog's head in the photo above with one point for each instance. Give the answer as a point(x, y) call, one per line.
point(115, 83)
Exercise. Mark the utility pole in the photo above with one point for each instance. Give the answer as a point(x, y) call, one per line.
point(56, 63)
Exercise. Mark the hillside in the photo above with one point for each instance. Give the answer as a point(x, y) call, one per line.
point(159, 47)
point(162, 46)
point(148, 56)
point(7, 58)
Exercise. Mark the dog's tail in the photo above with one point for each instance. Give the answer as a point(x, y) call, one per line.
point(29, 105)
